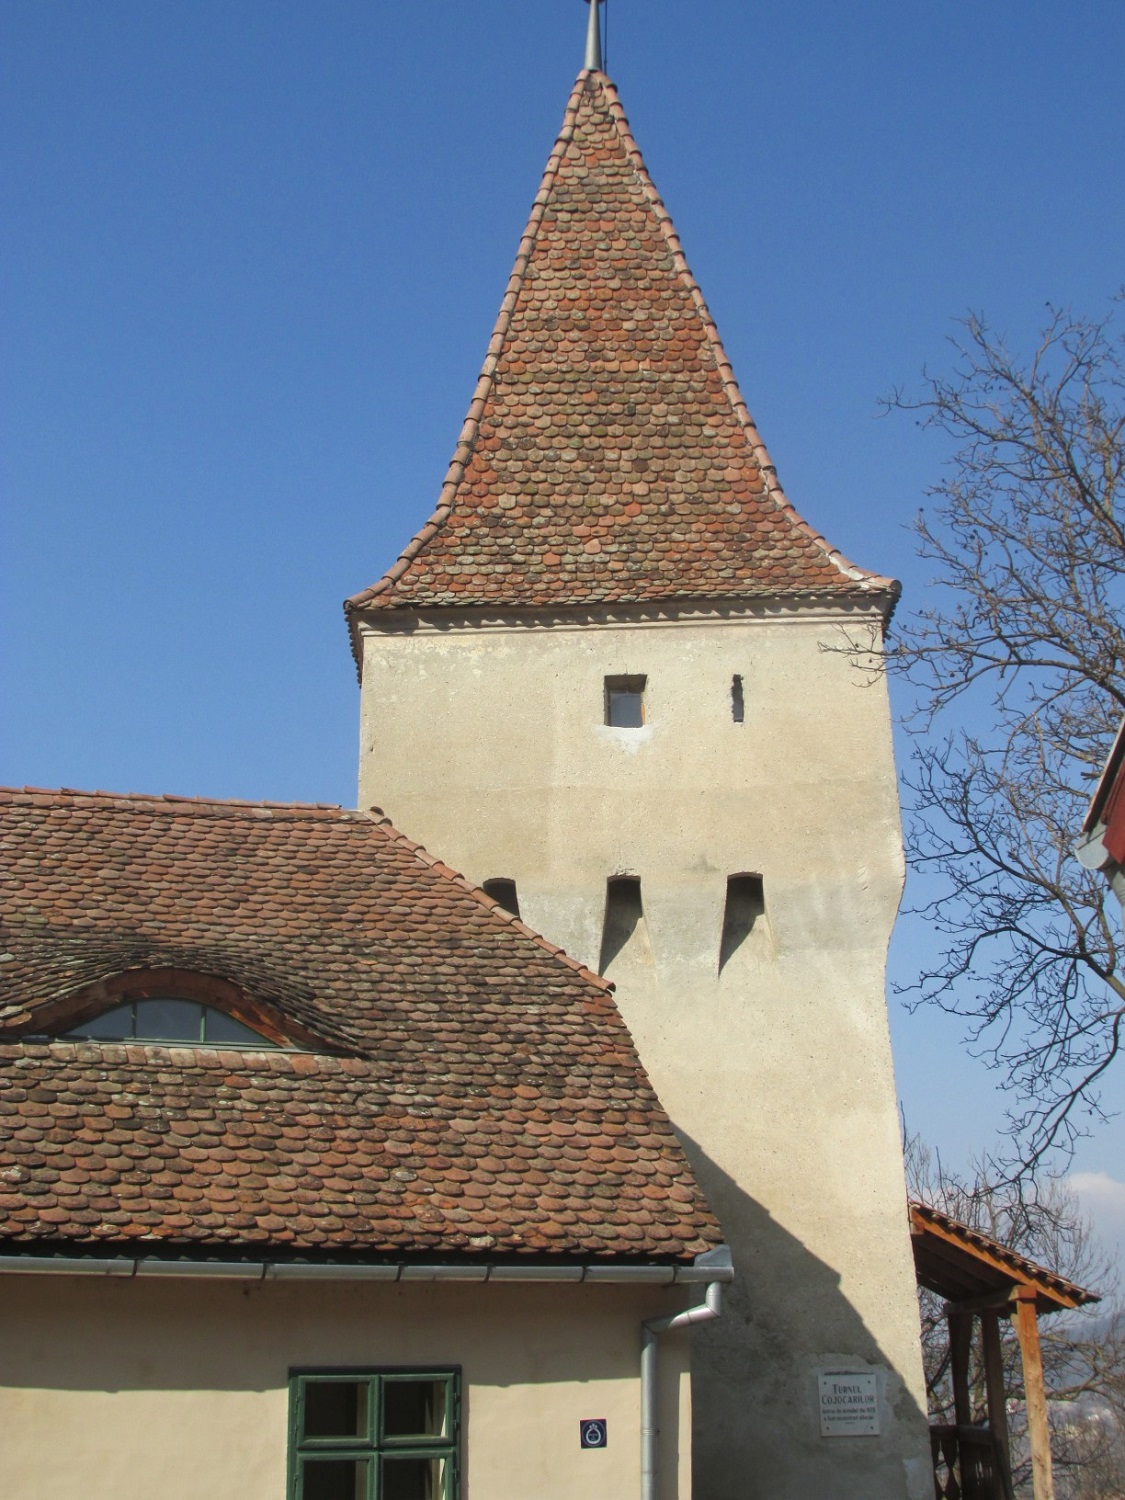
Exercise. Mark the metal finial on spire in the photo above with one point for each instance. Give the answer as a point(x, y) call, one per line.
point(594, 38)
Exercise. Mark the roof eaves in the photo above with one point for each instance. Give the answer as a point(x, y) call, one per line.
point(621, 1270)
point(870, 597)
point(1057, 1287)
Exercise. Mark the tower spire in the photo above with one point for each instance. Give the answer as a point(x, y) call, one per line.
point(593, 38)
point(607, 455)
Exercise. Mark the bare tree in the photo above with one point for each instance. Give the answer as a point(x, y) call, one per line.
point(1083, 1351)
point(1099, 1473)
point(1017, 669)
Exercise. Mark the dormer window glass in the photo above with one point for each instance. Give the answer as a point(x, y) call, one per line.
point(168, 1020)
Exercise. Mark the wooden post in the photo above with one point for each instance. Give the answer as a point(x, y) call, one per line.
point(1035, 1394)
point(997, 1396)
point(960, 1347)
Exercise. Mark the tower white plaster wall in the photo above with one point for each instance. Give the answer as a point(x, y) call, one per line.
point(484, 739)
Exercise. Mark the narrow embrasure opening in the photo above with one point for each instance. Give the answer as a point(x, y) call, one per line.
point(746, 906)
point(503, 892)
point(624, 918)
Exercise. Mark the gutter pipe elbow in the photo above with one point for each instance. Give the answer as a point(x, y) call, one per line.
point(711, 1307)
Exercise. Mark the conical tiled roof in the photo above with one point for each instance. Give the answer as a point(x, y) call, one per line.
point(608, 456)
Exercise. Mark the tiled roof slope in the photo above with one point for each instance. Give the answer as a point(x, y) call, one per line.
point(955, 1260)
point(608, 455)
point(481, 1095)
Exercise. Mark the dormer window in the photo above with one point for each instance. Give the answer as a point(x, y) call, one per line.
point(178, 1007)
point(168, 1020)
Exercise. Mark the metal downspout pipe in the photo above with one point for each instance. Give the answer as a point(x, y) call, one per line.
point(711, 1307)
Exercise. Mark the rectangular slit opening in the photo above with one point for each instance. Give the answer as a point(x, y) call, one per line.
point(624, 915)
point(745, 906)
point(737, 702)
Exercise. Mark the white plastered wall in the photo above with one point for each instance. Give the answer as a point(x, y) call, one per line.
point(485, 742)
point(136, 1389)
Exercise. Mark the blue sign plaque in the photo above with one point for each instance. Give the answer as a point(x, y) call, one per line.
point(592, 1431)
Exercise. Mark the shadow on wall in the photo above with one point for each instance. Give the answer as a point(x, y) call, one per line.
point(755, 1393)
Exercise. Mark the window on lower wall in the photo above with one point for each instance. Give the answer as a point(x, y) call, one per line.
point(374, 1435)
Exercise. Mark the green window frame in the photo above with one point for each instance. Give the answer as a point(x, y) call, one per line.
point(382, 1433)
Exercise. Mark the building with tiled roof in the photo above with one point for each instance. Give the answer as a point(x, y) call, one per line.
point(320, 1172)
point(272, 1075)
point(619, 680)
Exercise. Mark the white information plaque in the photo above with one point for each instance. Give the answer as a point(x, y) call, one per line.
point(849, 1405)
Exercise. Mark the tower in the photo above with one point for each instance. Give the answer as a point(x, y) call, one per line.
point(613, 679)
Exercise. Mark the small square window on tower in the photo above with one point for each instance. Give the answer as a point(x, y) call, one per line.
point(625, 702)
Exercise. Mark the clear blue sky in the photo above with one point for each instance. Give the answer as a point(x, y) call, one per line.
point(254, 250)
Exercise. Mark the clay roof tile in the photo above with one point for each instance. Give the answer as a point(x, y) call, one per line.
point(607, 412)
point(443, 1039)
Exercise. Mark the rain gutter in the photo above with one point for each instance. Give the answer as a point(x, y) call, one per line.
point(590, 1274)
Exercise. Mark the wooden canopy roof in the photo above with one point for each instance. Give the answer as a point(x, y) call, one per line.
point(967, 1267)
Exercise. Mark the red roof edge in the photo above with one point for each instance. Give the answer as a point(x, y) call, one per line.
point(164, 800)
point(471, 428)
point(1107, 783)
point(381, 821)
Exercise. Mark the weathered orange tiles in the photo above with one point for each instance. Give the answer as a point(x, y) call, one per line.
point(475, 1091)
point(608, 456)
